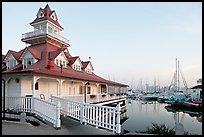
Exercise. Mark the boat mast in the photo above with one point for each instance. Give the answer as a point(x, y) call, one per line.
point(178, 76)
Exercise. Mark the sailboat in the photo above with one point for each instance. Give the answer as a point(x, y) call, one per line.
point(175, 94)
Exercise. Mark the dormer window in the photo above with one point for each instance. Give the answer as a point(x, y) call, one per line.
point(11, 63)
point(40, 14)
point(28, 62)
point(53, 16)
point(77, 67)
point(88, 71)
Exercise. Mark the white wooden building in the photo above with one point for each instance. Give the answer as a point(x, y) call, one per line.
point(45, 67)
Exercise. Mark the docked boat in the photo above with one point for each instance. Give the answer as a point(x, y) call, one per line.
point(150, 97)
point(187, 105)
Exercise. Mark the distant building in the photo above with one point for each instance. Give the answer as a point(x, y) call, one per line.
point(196, 91)
point(45, 67)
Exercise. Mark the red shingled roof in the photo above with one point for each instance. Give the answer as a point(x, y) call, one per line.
point(85, 64)
point(72, 60)
point(54, 54)
point(47, 12)
point(36, 54)
point(3, 56)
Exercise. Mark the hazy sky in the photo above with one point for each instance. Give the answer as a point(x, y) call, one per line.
point(127, 42)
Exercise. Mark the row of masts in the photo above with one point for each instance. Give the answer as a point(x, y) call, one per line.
point(175, 83)
point(174, 86)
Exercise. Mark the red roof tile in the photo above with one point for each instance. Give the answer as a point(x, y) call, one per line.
point(85, 64)
point(36, 54)
point(72, 60)
point(54, 54)
point(15, 68)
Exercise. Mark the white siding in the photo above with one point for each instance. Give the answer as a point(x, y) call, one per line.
point(26, 86)
point(77, 63)
point(14, 88)
point(10, 57)
point(47, 87)
point(61, 57)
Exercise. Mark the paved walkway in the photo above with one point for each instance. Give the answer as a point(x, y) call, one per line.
point(69, 127)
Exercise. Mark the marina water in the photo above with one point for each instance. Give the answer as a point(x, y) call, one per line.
point(141, 116)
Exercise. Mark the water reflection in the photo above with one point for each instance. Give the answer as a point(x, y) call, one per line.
point(142, 114)
point(196, 114)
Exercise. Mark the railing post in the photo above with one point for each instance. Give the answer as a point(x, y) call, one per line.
point(82, 113)
point(58, 121)
point(118, 126)
point(32, 105)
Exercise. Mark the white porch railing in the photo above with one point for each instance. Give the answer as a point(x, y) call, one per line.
point(96, 99)
point(41, 32)
point(48, 111)
point(44, 109)
point(19, 103)
point(97, 115)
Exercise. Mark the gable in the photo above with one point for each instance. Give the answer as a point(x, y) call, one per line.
point(62, 56)
point(9, 57)
point(54, 16)
point(89, 66)
point(40, 13)
point(77, 62)
point(26, 54)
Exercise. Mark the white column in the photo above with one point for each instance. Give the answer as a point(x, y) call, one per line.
point(107, 95)
point(33, 84)
point(6, 93)
point(83, 91)
point(98, 92)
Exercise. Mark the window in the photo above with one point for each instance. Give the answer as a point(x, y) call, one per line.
point(89, 90)
point(57, 62)
point(60, 63)
point(55, 31)
point(49, 29)
point(64, 64)
point(11, 63)
point(28, 62)
point(80, 90)
point(36, 86)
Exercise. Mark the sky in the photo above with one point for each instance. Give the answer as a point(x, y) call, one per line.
point(128, 42)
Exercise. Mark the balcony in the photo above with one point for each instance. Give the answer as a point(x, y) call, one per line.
point(37, 33)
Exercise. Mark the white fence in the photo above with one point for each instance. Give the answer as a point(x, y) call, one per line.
point(42, 108)
point(97, 115)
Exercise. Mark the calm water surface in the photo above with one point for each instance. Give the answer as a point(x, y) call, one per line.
point(140, 116)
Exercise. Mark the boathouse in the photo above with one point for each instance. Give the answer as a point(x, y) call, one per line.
point(45, 69)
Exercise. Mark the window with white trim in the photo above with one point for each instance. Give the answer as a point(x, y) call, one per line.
point(28, 62)
point(11, 63)
point(64, 64)
point(57, 62)
point(77, 67)
point(49, 29)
